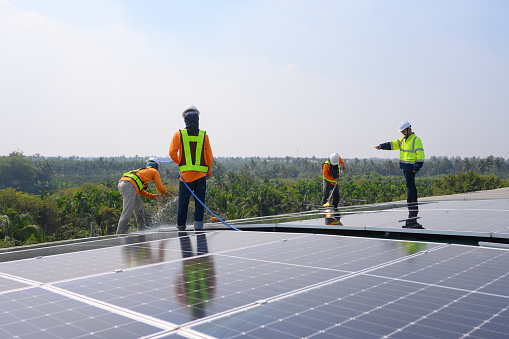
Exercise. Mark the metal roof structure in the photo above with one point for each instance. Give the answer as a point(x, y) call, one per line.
point(254, 284)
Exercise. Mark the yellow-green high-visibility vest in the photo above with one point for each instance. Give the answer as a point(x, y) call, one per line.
point(339, 172)
point(192, 152)
point(137, 180)
point(410, 149)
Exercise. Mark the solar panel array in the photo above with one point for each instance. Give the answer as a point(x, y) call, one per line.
point(229, 284)
point(482, 218)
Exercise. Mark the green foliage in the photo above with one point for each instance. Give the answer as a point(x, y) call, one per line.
point(76, 193)
point(467, 182)
point(22, 202)
point(237, 196)
point(59, 215)
point(33, 232)
point(33, 174)
point(19, 172)
point(19, 227)
point(7, 242)
point(108, 219)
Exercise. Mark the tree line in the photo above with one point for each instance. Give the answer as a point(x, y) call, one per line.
point(34, 174)
point(46, 199)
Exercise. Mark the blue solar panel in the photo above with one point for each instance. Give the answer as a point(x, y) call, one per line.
point(473, 218)
point(257, 285)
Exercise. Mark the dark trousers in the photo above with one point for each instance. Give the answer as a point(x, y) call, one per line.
point(199, 188)
point(411, 196)
point(327, 188)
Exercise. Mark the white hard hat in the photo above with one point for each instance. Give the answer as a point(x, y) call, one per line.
point(154, 160)
point(404, 125)
point(190, 109)
point(334, 159)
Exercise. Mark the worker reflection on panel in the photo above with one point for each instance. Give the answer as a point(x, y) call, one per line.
point(412, 247)
point(195, 286)
point(141, 253)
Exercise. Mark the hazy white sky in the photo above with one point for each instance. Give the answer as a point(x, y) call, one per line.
point(270, 77)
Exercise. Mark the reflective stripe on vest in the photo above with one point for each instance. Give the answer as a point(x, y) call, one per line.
point(410, 149)
point(132, 175)
point(188, 162)
point(339, 172)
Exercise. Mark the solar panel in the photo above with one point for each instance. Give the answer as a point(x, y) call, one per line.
point(439, 291)
point(255, 284)
point(251, 284)
point(475, 218)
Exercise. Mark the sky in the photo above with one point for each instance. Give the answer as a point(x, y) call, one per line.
point(271, 78)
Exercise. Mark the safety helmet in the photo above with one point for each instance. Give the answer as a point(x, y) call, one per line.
point(153, 162)
point(334, 159)
point(190, 109)
point(404, 125)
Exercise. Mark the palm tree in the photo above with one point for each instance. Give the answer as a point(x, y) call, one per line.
point(466, 166)
point(483, 166)
point(19, 226)
point(499, 165)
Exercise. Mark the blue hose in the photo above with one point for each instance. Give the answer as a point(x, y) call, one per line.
point(197, 199)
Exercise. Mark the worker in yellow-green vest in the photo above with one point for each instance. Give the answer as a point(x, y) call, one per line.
point(190, 150)
point(131, 186)
point(411, 159)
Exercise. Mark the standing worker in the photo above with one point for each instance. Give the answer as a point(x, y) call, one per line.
point(331, 171)
point(131, 186)
point(190, 150)
point(411, 159)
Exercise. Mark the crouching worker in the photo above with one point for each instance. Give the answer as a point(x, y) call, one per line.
point(131, 186)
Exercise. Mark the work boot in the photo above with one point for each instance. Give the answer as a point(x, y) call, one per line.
point(415, 225)
point(335, 221)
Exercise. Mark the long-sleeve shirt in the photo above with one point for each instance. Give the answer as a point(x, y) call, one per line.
point(411, 155)
point(176, 156)
point(327, 172)
point(147, 175)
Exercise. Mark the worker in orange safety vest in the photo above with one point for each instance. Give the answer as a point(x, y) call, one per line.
point(131, 186)
point(190, 150)
point(331, 171)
